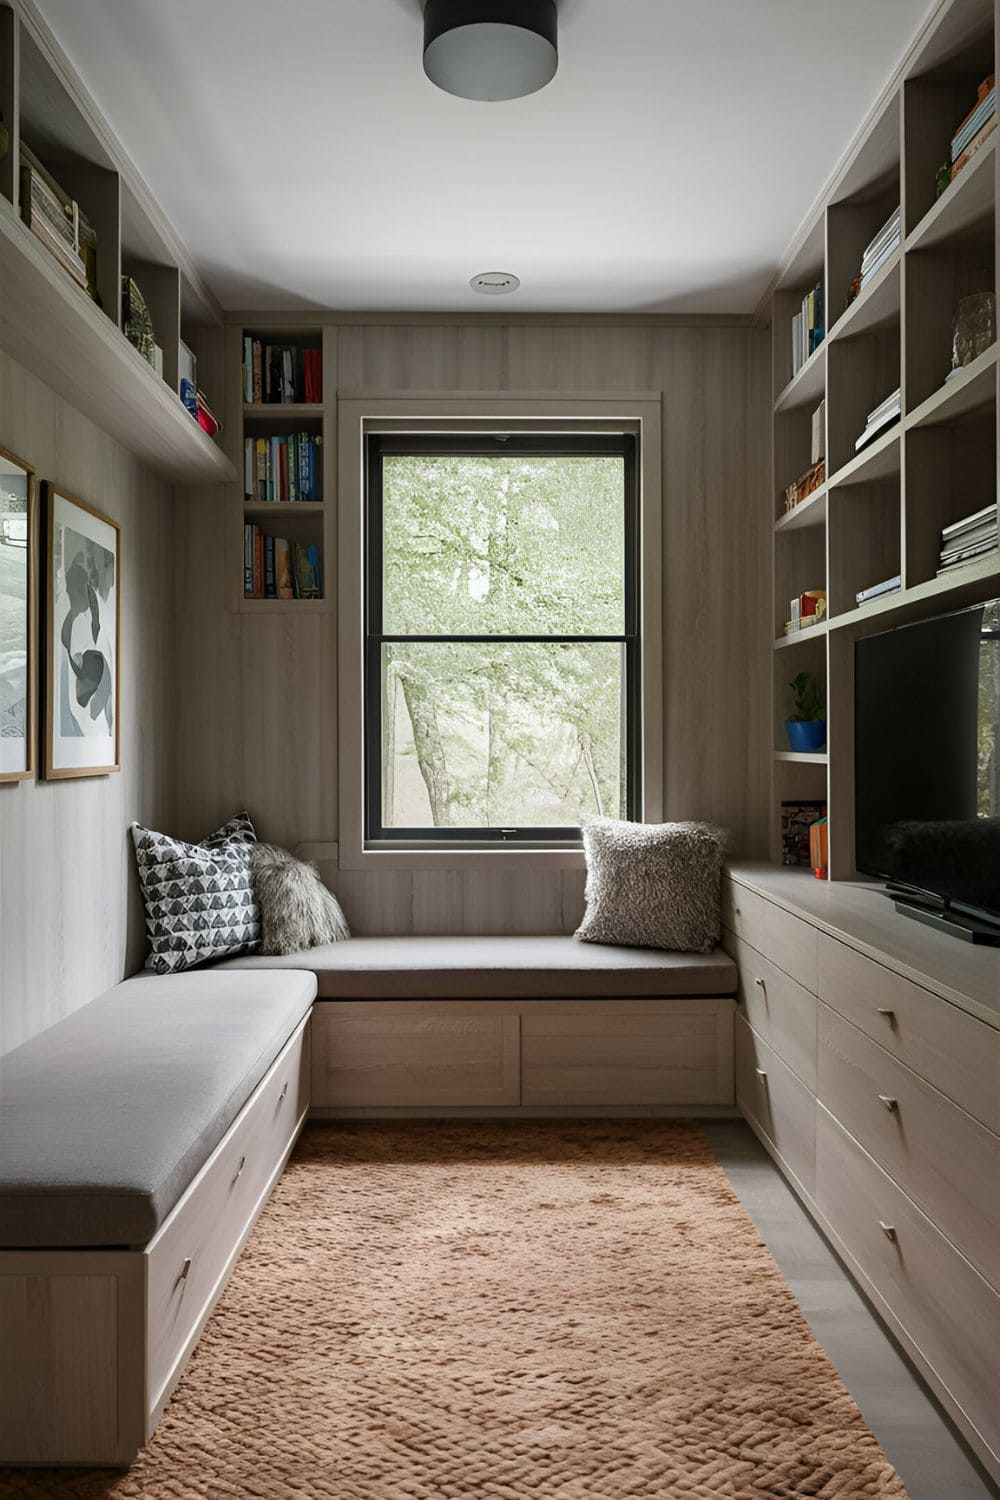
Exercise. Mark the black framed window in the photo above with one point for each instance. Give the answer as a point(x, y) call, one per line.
point(501, 674)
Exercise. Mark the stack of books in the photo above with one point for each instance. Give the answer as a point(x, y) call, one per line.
point(887, 586)
point(282, 468)
point(882, 247)
point(276, 568)
point(55, 220)
point(281, 373)
point(808, 328)
point(879, 418)
point(965, 540)
point(976, 128)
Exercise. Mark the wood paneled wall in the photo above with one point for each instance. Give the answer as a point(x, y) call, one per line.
point(257, 717)
point(71, 922)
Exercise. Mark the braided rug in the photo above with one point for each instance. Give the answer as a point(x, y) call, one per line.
point(501, 1311)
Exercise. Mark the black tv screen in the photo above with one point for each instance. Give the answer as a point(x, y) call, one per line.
point(927, 757)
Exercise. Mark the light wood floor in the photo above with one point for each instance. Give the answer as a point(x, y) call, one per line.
point(915, 1434)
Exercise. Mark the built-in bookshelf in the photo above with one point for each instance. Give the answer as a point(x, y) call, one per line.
point(903, 238)
point(285, 468)
point(78, 229)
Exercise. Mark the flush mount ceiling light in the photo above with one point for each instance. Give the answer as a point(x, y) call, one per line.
point(490, 49)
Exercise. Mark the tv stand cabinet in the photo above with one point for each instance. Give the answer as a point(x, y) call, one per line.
point(868, 1063)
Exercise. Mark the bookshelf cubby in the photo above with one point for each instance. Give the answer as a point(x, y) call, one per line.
point(881, 508)
point(283, 489)
point(51, 324)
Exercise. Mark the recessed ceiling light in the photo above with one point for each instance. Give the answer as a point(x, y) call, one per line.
point(495, 283)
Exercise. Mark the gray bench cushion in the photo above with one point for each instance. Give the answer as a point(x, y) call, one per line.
point(106, 1117)
point(470, 968)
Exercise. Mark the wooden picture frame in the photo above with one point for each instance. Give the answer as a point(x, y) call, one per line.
point(18, 617)
point(82, 649)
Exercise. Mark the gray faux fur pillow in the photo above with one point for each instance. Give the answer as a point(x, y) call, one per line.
point(296, 909)
point(652, 885)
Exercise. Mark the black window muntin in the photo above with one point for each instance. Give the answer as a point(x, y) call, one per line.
point(519, 444)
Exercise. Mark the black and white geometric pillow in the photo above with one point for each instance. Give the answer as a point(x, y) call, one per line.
point(199, 898)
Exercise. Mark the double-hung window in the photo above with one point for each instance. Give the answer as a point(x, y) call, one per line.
point(501, 652)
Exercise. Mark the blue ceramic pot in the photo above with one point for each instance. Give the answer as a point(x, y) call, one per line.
point(808, 734)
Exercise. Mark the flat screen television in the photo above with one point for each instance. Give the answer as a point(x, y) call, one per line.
point(927, 767)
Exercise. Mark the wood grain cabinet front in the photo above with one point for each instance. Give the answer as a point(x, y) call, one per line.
point(780, 1010)
point(777, 1104)
point(940, 1156)
point(743, 913)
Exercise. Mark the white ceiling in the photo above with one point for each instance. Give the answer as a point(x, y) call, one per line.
point(305, 160)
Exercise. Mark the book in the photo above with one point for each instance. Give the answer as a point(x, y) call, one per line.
point(979, 139)
point(307, 573)
point(284, 577)
point(984, 106)
point(887, 586)
point(797, 818)
point(889, 231)
point(248, 554)
point(988, 513)
point(818, 444)
point(882, 259)
point(313, 363)
point(270, 584)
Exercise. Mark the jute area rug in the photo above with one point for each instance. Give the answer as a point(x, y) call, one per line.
point(449, 1311)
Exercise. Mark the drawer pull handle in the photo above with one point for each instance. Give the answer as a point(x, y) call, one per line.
point(761, 985)
point(890, 1015)
point(239, 1169)
point(284, 1091)
point(888, 1230)
point(183, 1276)
point(889, 1102)
point(737, 911)
point(761, 1074)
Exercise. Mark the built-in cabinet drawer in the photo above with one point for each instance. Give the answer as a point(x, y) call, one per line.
point(953, 1051)
point(941, 1157)
point(193, 1250)
point(777, 1103)
point(791, 944)
point(743, 914)
point(945, 1307)
point(780, 1010)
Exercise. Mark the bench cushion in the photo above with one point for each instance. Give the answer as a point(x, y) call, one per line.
point(106, 1117)
point(470, 968)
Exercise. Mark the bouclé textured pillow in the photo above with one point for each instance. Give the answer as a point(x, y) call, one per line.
point(296, 909)
point(199, 899)
point(652, 885)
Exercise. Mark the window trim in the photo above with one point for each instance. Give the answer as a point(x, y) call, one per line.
point(360, 415)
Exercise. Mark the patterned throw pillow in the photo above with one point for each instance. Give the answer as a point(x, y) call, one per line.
point(652, 885)
point(199, 898)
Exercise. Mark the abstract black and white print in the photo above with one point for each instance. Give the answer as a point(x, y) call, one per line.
point(83, 640)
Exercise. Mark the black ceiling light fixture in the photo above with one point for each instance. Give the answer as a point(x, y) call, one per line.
point(490, 49)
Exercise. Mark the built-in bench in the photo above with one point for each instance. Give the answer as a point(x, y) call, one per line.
point(515, 1025)
point(140, 1137)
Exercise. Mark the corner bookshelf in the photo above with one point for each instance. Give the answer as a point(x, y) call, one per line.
point(881, 507)
point(286, 477)
point(70, 335)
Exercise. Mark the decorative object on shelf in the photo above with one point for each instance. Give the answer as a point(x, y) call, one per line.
point(490, 49)
point(800, 489)
point(18, 672)
point(806, 609)
point(887, 586)
point(963, 541)
point(797, 818)
point(806, 725)
point(189, 396)
point(880, 417)
point(205, 416)
point(819, 850)
point(975, 329)
point(137, 325)
point(808, 328)
point(976, 128)
point(187, 364)
point(82, 633)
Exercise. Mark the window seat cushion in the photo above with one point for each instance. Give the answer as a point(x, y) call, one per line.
point(106, 1117)
point(469, 968)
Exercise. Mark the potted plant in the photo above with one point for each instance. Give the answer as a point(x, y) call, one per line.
point(806, 727)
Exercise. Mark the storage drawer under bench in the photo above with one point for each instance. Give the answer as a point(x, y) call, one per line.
point(522, 1054)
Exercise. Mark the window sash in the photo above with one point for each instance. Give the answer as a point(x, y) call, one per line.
point(518, 444)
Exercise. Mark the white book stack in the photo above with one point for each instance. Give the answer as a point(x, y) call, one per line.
point(879, 418)
point(882, 247)
point(965, 540)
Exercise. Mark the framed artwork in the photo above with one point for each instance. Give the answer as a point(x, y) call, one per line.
point(82, 638)
point(18, 639)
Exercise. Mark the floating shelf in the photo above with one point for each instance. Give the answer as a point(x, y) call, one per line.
point(972, 389)
point(807, 386)
point(965, 209)
point(878, 461)
point(809, 512)
point(798, 636)
point(52, 328)
point(874, 308)
point(292, 510)
point(803, 757)
point(267, 411)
